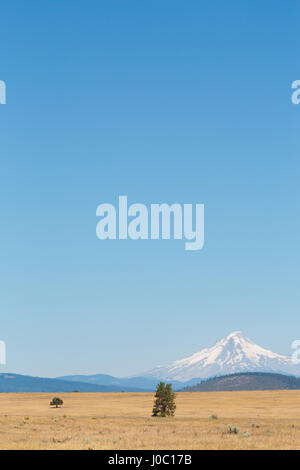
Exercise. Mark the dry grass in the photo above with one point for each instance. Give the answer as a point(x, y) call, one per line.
point(123, 421)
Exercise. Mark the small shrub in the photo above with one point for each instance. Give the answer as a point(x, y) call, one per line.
point(56, 401)
point(233, 429)
point(245, 434)
point(214, 416)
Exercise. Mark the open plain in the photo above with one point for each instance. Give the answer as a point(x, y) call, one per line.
point(266, 420)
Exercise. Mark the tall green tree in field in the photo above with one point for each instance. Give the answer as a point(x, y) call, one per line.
point(164, 403)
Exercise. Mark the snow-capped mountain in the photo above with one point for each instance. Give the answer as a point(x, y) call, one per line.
point(230, 355)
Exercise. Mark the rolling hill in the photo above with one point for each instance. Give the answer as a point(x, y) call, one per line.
point(247, 381)
point(25, 383)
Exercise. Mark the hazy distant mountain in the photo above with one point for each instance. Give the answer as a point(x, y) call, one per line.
point(230, 355)
point(146, 384)
point(25, 383)
point(234, 354)
point(247, 381)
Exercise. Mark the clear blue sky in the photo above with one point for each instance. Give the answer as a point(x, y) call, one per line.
point(167, 101)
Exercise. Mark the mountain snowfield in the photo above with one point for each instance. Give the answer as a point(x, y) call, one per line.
point(230, 355)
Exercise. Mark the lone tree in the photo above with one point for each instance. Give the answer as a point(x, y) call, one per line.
point(164, 404)
point(56, 401)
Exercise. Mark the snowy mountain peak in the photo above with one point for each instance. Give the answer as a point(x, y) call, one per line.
point(235, 334)
point(232, 354)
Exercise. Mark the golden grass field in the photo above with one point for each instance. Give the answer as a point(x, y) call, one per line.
point(123, 421)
